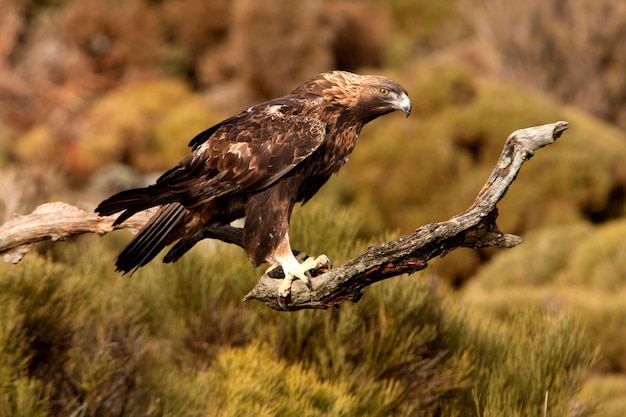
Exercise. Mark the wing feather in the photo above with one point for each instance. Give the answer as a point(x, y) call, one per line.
point(249, 152)
point(244, 153)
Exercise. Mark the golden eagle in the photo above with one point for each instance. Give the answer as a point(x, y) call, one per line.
point(258, 164)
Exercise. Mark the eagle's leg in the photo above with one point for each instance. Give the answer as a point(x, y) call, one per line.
point(266, 235)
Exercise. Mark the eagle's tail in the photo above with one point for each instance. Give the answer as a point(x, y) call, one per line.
point(161, 230)
point(131, 202)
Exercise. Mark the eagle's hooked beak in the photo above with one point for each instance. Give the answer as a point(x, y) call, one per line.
point(404, 104)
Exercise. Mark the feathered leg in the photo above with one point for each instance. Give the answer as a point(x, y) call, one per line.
point(266, 237)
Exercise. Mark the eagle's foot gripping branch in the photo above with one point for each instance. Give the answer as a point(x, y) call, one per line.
point(296, 270)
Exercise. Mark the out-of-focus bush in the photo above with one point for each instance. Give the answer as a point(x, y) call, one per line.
point(302, 39)
point(537, 261)
point(176, 340)
point(421, 27)
point(599, 260)
point(409, 172)
point(24, 187)
point(195, 25)
point(544, 342)
point(20, 395)
point(602, 315)
point(237, 372)
point(278, 42)
point(608, 392)
point(56, 57)
point(575, 267)
point(575, 49)
point(145, 124)
point(118, 37)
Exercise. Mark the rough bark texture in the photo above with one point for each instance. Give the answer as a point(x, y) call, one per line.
point(474, 228)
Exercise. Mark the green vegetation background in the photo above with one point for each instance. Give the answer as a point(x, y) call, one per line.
point(99, 95)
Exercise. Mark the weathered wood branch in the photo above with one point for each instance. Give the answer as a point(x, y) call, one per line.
point(57, 221)
point(474, 228)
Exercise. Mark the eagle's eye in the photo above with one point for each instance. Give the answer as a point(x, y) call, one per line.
point(384, 91)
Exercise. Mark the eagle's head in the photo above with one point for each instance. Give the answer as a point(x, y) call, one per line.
point(368, 96)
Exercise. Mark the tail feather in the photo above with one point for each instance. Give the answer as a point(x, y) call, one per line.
point(160, 231)
point(183, 246)
point(131, 202)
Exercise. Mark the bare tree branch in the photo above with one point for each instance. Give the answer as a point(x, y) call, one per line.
point(474, 228)
point(57, 221)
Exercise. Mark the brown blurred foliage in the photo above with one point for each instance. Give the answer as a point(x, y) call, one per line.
point(57, 57)
point(574, 49)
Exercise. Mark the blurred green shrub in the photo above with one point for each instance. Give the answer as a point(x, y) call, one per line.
point(598, 261)
point(145, 124)
point(20, 395)
point(544, 254)
point(437, 162)
point(421, 27)
point(574, 267)
point(176, 339)
point(609, 392)
point(605, 324)
point(523, 358)
point(252, 380)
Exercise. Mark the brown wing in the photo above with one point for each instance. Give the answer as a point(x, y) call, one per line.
point(245, 153)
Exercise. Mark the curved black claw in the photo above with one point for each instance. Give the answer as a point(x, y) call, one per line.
point(279, 295)
point(280, 304)
point(330, 263)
